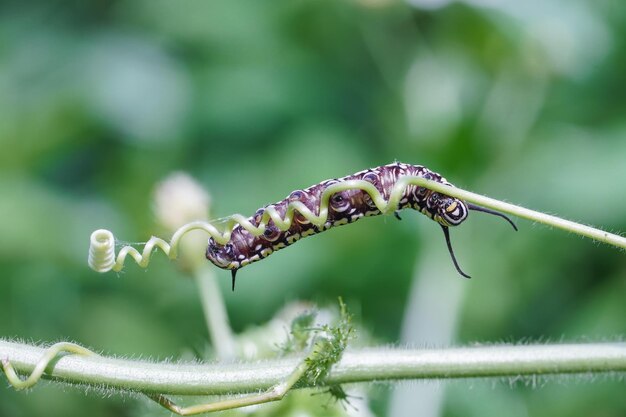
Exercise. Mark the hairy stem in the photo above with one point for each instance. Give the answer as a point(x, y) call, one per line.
point(355, 366)
point(536, 216)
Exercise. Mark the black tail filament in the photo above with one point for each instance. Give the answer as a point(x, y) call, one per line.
point(489, 211)
point(446, 233)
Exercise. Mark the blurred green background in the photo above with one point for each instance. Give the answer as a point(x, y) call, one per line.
point(522, 101)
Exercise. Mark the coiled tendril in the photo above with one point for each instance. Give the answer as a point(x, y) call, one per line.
point(102, 256)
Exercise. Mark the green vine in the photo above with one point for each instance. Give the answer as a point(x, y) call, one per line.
point(355, 365)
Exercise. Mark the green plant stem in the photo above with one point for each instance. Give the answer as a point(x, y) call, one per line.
point(355, 366)
point(215, 313)
point(536, 216)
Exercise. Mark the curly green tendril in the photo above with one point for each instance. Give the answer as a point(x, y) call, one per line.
point(102, 256)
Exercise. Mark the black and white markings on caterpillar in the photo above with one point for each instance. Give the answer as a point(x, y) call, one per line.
point(301, 212)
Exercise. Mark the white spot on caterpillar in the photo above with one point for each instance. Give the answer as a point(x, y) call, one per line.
point(357, 216)
point(293, 238)
point(371, 213)
point(258, 247)
point(254, 258)
point(241, 257)
point(341, 222)
point(308, 232)
point(246, 262)
point(266, 252)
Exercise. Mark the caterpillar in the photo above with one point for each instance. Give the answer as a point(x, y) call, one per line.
point(340, 208)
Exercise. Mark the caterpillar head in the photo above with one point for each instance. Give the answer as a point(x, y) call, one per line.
point(220, 255)
point(447, 211)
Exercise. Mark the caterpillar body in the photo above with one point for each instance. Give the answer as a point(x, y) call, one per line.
point(344, 207)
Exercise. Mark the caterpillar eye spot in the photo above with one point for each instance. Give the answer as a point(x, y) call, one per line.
point(271, 233)
point(371, 177)
point(340, 202)
point(296, 196)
